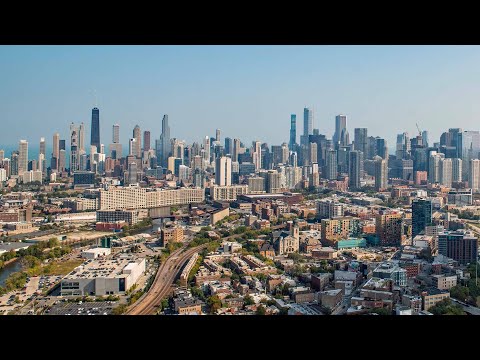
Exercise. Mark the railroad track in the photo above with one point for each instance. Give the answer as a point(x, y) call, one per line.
point(161, 286)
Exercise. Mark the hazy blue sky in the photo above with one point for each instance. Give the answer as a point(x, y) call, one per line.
point(246, 91)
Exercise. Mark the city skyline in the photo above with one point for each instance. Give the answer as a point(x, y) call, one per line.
point(392, 85)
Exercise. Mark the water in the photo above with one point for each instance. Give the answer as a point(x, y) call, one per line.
point(9, 269)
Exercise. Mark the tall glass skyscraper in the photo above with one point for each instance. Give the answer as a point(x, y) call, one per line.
point(421, 215)
point(293, 132)
point(165, 141)
point(468, 147)
point(340, 125)
point(307, 122)
point(95, 135)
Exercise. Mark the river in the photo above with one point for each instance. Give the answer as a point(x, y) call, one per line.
point(8, 269)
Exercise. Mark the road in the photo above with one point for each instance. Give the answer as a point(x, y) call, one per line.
point(472, 310)
point(161, 286)
point(31, 235)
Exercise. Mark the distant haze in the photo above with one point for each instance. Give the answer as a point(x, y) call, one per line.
point(248, 92)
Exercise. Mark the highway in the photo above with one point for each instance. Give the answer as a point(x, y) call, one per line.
point(161, 286)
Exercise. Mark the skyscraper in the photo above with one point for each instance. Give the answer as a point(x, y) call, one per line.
point(62, 160)
point(95, 134)
point(146, 141)
point(165, 141)
point(74, 163)
point(228, 146)
point(421, 215)
point(354, 168)
point(474, 175)
point(312, 156)
point(132, 147)
point(257, 155)
point(206, 148)
point(382, 148)
point(42, 146)
point(116, 134)
point(434, 167)
point(381, 174)
point(273, 182)
point(425, 138)
point(223, 171)
point(115, 149)
point(403, 146)
point(137, 135)
point(293, 132)
point(236, 149)
point(332, 165)
point(446, 172)
point(340, 126)
point(361, 140)
point(56, 151)
point(307, 122)
point(456, 170)
point(468, 147)
point(22, 157)
point(217, 135)
point(81, 138)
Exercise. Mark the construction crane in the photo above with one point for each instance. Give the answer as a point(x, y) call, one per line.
point(419, 131)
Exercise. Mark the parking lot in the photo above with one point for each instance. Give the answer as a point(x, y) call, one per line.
point(88, 308)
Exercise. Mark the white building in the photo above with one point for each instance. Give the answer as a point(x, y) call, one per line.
point(95, 253)
point(103, 277)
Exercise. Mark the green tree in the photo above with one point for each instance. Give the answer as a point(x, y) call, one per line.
point(214, 303)
point(164, 304)
point(53, 242)
point(120, 309)
point(446, 307)
point(381, 311)
point(260, 310)
point(460, 292)
point(248, 300)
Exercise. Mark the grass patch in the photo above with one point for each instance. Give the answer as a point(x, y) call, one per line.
point(55, 268)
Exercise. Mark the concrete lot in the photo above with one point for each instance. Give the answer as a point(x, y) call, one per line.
point(89, 308)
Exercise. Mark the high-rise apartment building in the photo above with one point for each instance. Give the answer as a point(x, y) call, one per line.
point(236, 149)
point(354, 168)
point(361, 140)
point(434, 167)
point(456, 169)
point(446, 175)
point(257, 155)
point(332, 165)
point(81, 138)
point(137, 135)
point(146, 141)
point(116, 134)
point(421, 215)
point(223, 171)
point(22, 157)
point(459, 245)
point(381, 174)
point(56, 151)
point(474, 175)
point(389, 227)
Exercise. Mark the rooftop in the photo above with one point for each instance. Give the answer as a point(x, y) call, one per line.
point(103, 268)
